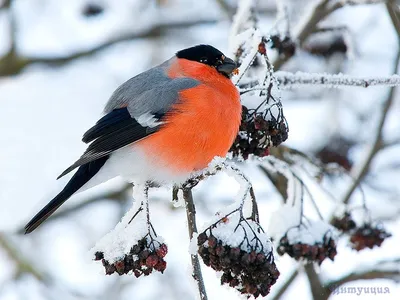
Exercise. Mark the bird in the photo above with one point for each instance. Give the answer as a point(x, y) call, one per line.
point(159, 126)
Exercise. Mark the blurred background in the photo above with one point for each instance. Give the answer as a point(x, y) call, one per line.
point(61, 60)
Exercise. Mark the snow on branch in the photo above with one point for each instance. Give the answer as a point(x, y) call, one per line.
point(289, 80)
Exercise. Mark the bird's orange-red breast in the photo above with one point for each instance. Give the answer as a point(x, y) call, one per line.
point(202, 124)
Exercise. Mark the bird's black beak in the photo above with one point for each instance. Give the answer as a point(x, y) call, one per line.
point(227, 67)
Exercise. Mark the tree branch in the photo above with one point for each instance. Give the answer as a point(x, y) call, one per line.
point(317, 290)
point(23, 266)
point(373, 273)
point(116, 196)
point(359, 171)
point(6, 4)
point(394, 13)
point(289, 80)
point(286, 285)
point(309, 25)
point(12, 63)
point(191, 217)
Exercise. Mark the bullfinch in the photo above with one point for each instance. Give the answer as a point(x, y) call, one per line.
point(159, 126)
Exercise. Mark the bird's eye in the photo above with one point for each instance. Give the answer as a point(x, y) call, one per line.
point(203, 60)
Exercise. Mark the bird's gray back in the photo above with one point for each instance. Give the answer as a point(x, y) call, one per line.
point(149, 92)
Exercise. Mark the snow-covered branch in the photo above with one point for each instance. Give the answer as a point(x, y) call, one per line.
point(289, 80)
point(191, 217)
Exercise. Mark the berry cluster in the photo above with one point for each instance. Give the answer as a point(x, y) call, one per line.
point(256, 134)
point(312, 253)
point(250, 272)
point(285, 45)
point(345, 223)
point(368, 236)
point(143, 258)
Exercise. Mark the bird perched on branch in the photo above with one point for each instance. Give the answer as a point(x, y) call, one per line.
point(159, 126)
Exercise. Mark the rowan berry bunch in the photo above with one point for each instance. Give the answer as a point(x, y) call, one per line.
point(368, 236)
point(284, 45)
point(316, 252)
point(344, 223)
point(242, 252)
point(259, 131)
point(146, 256)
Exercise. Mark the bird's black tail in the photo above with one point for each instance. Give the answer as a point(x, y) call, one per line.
point(83, 175)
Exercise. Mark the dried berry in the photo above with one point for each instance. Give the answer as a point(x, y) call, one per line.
point(368, 236)
point(317, 252)
point(142, 259)
point(259, 131)
point(162, 251)
point(344, 223)
point(250, 272)
point(285, 45)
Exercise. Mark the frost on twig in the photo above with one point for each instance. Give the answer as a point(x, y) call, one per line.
point(298, 79)
point(263, 123)
point(133, 246)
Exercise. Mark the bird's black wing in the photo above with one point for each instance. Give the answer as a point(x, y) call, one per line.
point(113, 131)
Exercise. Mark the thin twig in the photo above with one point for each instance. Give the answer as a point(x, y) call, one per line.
point(394, 14)
point(23, 266)
point(254, 209)
point(287, 284)
point(372, 273)
point(308, 26)
point(13, 63)
point(191, 217)
point(359, 171)
point(114, 196)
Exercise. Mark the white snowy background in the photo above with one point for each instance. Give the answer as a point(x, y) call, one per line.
point(45, 110)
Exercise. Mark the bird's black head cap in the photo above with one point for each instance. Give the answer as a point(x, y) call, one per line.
point(208, 55)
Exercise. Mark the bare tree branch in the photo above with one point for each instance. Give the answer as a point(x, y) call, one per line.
point(23, 266)
point(117, 196)
point(317, 290)
point(6, 4)
point(359, 171)
point(286, 285)
point(191, 217)
point(394, 13)
point(319, 12)
point(12, 63)
point(374, 272)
